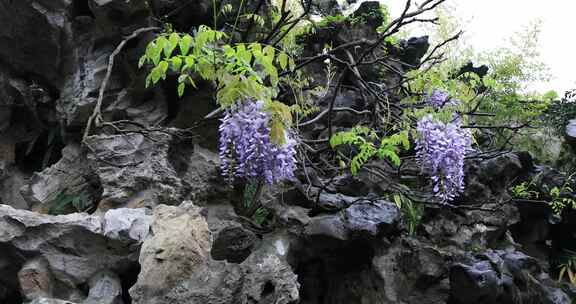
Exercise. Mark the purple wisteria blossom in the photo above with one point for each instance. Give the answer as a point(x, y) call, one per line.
point(438, 99)
point(441, 149)
point(246, 149)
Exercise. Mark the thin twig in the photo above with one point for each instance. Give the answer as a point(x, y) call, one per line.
point(96, 117)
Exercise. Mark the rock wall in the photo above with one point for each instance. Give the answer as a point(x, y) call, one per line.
point(144, 217)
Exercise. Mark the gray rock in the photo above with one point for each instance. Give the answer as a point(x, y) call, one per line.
point(126, 223)
point(412, 270)
point(177, 268)
point(74, 247)
point(571, 131)
point(129, 163)
point(71, 175)
point(497, 276)
point(473, 228)
point(33, 52)
point(10, 185)
point(200, 172)
point(35, 279)
point(178, 245)
point(477, 283)
point(486, 181)
point(105, 288)
point(335, 201)
point(119, 12)
point(50, 301)
point(233, 244)
point(362, 219)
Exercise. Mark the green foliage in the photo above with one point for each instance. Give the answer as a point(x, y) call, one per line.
point(240, 71)
point(251, 191)
point(522, 191)
point(560, 112)
point(559, 201)
point(260, 215)
point(412, 212)
point(66, 203)
point(503, 93)
point(364, 139)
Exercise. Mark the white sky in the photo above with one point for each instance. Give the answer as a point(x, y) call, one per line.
point(489, 23)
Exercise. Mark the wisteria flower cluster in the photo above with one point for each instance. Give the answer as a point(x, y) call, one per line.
point(441, 149)
point(439, 99)
point(246, 149)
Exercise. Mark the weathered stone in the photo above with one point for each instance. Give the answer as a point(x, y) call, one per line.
point(502, 277)
point(119, 12)
point(233, 244)
point(486, 181)
point(411, 271)
point(200, 172)
point(177, 268)
point(473, 228)
point(28, 50)
point(35, 279)
point(129, 163)
point(571, 132)
point(50, 301)
point(10, 184)
point(72, 175)
point(105, 288)
point(362, 219)
point(74, 247)
point(179, 244)
point(125, 223)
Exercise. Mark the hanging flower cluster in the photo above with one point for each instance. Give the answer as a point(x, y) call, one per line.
point(441, 149)
point(246, 149)
point(439, 99)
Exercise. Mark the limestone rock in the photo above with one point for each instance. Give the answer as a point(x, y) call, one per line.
point(126, 223)
point(233, 244)
point(29, 50)
point(362, 219)
point(179, 244)
point(74, 247)
point(502, 277)
point(177, 267)
point(35, 279)
point(71, 175)
point(105, 288)
point(129, 163)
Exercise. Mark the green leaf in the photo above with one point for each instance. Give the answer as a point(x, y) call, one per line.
point(291, 64)
point(156, 56)
point(156, 74)
point(163, 68)
point(269, 52)
point(161, 42)
point(171, 44)
point(176, 64)
point(174, 40)
point(184, 44)
point(283, 60)
point(181, 88)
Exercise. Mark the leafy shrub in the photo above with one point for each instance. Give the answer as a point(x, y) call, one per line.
point(368, 146)
point(66, 203)
point(240, 71)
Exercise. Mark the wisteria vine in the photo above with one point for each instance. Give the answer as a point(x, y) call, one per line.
point(441, 149)
point(246, 149)
point(438, 99)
